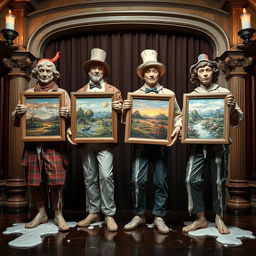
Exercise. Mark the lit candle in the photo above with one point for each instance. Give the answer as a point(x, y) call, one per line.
point(245, 19)
point(9, 20)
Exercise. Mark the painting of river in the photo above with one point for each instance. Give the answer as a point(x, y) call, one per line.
point(206, 118)
point(94, 117)
point(42, 117)
point(149, 118)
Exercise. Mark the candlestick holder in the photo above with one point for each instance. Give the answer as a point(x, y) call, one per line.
point(246, 34)
point(9, 35)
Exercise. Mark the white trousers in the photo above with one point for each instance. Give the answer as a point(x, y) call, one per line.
point(97, 162)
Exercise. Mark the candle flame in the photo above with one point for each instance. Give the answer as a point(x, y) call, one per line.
point(244, 11)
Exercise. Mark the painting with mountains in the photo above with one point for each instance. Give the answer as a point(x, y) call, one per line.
point(42, 117)
point(149, 118)
point(206, 118)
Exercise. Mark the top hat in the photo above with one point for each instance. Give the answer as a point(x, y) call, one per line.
point(203, 58)
point(149, 58)
point(98, 57)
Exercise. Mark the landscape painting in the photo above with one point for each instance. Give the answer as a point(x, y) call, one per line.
point(205, 119)
point(42, 121)
point(92, 118)
point(150, 119)
point(42, 117)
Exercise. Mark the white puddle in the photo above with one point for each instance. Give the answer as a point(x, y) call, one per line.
point(32, 237)
point(233, 238)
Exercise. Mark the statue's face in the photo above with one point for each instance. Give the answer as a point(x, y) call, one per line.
point(205, 75)
point(45, 73)
point(96, 73)
point(151, 76)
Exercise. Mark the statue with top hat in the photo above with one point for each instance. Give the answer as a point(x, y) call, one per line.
point(97, 158)
point(150, 71)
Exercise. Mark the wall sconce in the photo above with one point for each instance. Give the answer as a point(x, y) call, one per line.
point(247, 31)
point(9, 33)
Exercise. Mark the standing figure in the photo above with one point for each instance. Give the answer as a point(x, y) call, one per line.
point(50, 157)
point(204, 74)
point(97, 158)
point(150, 71)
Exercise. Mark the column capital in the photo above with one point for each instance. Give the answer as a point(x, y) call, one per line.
point(20, 62)
point(234, 62)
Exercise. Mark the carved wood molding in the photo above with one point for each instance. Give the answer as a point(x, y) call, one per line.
point(97, 3)
point(238, 61)
point(94, 21)
point(234, 62)
point(20, 62)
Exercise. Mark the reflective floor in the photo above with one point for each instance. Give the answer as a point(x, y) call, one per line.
point(143, 241)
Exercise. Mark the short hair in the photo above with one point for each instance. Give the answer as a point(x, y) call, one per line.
point(194, 77)
point(56, 73)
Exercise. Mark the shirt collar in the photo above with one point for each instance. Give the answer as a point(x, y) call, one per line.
point(204, 89)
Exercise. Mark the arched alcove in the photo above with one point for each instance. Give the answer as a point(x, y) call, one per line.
point(71, 32)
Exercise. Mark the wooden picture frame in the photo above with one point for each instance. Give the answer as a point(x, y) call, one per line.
point(92, 118)
point(205, 118)
point(150, 119)
point(42, 122)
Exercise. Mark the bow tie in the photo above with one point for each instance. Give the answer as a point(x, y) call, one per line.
point(92, 85)
point(148, 90)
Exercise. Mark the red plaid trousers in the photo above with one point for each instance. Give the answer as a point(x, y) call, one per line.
point(53, 159)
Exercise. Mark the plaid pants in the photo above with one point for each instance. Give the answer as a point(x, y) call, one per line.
point(51, 157)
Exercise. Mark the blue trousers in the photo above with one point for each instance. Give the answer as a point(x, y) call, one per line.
point(143, 155)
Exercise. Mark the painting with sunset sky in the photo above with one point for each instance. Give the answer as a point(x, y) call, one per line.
point(42, 117)
point(149, 118)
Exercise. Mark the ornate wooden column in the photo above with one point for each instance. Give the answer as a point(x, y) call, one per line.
point(19, 10)
point(233, 63)
point(20, 66)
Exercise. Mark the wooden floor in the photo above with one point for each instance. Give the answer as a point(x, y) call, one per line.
point(141, 242)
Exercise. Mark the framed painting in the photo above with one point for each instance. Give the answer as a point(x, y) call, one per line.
point(205, 118)
point(150, 120)
point(42, 122)
point(92, 118)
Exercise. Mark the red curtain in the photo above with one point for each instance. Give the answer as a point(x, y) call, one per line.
point(176, 51)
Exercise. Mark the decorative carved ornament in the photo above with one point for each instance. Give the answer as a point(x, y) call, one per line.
point(235, 63)
point(17, 62)
point(20, 62)
point(238, 61)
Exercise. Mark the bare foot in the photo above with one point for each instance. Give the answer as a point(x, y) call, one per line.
point(111, 224)
point(200, 223)
point(91, 218)
point(60, 221)
point(222, 228)
point(40, 218)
